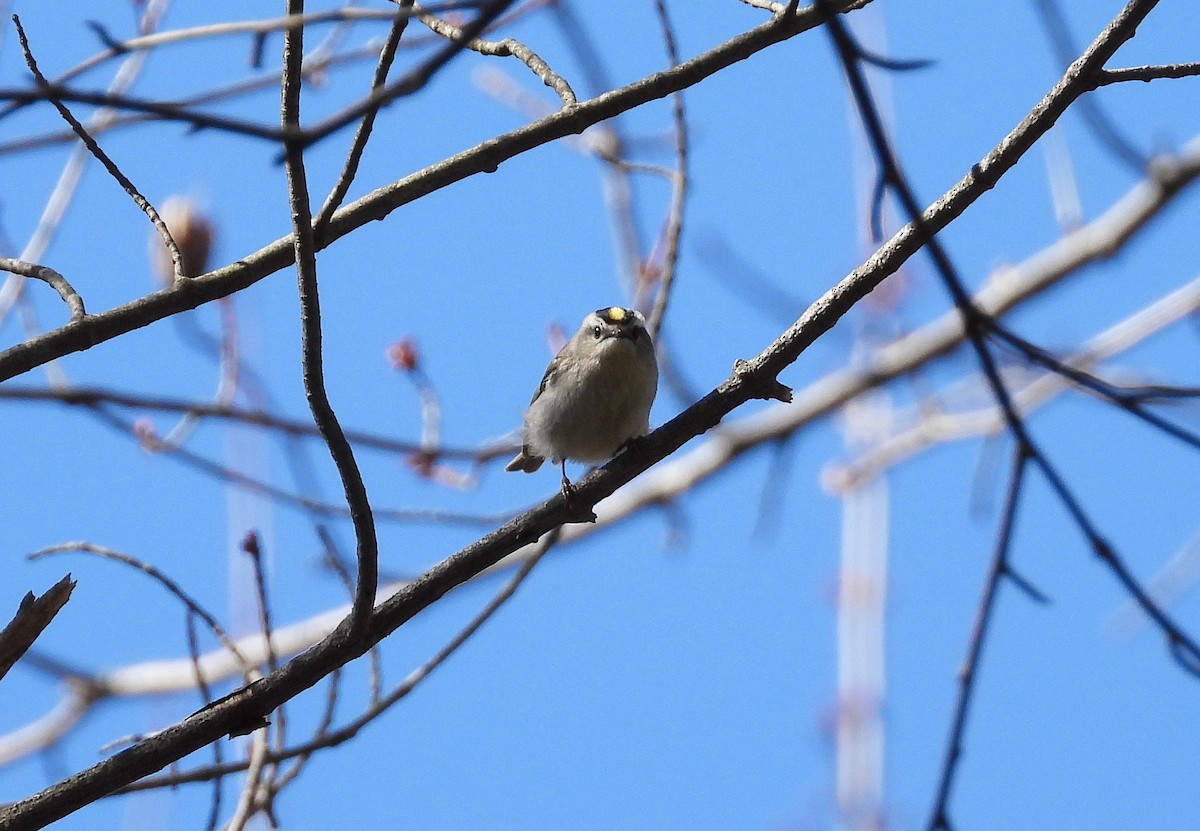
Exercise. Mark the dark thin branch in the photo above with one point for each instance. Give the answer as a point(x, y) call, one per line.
point(977, 324)
point(1183, 648)
point(894, 64)
point(679, 185)
point(387, 56)
point(163, 110)
point(284, 497)
point(968, 674)
point(252, 547)
point(305, 249)
point(102, 157)
point(91, 396)
point(1132, 403)
point(163, 580)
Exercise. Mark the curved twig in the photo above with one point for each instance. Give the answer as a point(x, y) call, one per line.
point(508, 47)
point(51, 278)
point(83, 547)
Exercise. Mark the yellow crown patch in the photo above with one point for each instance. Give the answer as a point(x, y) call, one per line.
point(616, 314)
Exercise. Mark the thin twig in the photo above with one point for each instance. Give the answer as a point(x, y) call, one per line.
point(252, 547)
point(284, 497)
point(500, 48)
point(102, 157)
point(51, 278)
point(968, 673)
point(83, 547)
point(90, 396)
point(387, 56)
point(1145, 73)
point(162, 110)
point(679, 184)
point(1134, 405)
point(214, 809)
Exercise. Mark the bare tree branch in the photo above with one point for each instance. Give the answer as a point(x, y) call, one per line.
point(312, 358)
point(51, 278)
point(502, 49)
point(1031, 391)
point(1184, 648)
point(679, 186)
point(89, 396)
point(247, 668)
point(1146, 73)
point(968, 673)
point(32, 617)
point(103, 158)
point(378, 707)
point(354, 156)
point(97, 328)
point(750, 379)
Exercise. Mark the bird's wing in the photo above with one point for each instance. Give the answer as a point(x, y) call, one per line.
point(550, 370)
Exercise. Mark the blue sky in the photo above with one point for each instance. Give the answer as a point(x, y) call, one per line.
point(677, 671)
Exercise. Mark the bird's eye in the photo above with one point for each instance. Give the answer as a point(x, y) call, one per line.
point(596, 330)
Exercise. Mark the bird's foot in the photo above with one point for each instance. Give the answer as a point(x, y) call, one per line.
point(576, 511)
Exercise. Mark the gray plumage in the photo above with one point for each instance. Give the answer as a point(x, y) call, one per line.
point(595, 396)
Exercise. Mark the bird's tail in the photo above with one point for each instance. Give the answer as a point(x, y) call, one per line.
point(525, 461)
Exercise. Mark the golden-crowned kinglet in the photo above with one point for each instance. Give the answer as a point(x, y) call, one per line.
point(595, 395)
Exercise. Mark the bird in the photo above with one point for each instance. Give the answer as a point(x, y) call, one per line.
point(595, 396)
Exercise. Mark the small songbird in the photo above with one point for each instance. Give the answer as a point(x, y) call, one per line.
point(595, 396)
